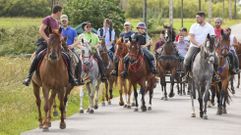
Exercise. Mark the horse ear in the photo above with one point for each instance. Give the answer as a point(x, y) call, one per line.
point(122, 40)
point(90, 41)
point(222, 32)
point(82, 40)
point(208, 36)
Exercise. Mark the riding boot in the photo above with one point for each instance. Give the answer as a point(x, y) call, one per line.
point(216, 76)
point(232, 63)
point(72, 79)
point(126, 64)
point(33, 67)
point(78, 72)
point(101, 68)
point(186, 71)
point(115, 71)
point(236, 63)
point(153, 67)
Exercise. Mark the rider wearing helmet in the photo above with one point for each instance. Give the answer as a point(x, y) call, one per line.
point(144, 41)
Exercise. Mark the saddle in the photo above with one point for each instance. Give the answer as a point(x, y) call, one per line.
point(192, 59)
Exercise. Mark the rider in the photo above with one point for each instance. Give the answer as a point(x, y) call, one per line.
point(126, 35)
point(198, 33)
point(182, 47)
point(232, 53)
point(71, 35)
point(218, 28)
point(144, 41)
point(49, 25)
point(107, 33)
point(87, 35)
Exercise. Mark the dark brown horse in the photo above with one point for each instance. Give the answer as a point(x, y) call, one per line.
point(120, 52)
point(167, 61)
point(52, 76)
point(238, 51)
point(109, 66)
point(139, 73)
point(221, 88)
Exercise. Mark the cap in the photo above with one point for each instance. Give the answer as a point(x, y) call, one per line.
point(127, 23)
point(64, 17)
point(141, 25)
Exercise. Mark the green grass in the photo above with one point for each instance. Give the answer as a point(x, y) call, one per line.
point(7, 22)
point(18, 111)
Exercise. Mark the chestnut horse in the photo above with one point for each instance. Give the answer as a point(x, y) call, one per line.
point(139, 73)
point(52, 75)
point(120, 52)
point(109, 66)
point(221, 88)
point(167, 61)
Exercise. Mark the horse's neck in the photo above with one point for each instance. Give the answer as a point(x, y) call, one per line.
point(169, 49)
point(222, 61)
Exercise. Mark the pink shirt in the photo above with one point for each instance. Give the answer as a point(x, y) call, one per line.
point(218, 32)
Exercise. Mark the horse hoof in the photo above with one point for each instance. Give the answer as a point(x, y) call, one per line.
point(143, 108)
point(136, 110)
point(125, 106)
point(205, 117)
point(171, 95)
point(45, 128)
point(81, 111)
point(91, 111)
point(193, 115)
point(162, 98)
point(165, 99)
point(109, 103)
point(224, 111)
point(128, 107)
point(121, 104)
point(62, 125)
point(88, 110)
point(103, 104)
point(49, 124)
point(233, 92)
point(40, 125)
point(133, 104)
point(96, 107)
point(219, 112)
point(55, 113)
point(149, 108)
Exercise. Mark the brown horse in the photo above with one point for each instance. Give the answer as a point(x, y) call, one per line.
point(139, 73)
point(238, 51)
point(221, 88)
point(120, 52)
point(109, 66)
point(52, 75)
point(167, 61)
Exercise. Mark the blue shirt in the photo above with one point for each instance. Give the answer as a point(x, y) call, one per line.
point(70, 33)
point(126, 35)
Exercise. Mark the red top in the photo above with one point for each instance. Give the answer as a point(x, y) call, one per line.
point(218, 32)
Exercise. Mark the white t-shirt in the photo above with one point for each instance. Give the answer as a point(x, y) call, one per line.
point(200, 32)
point(232, 42)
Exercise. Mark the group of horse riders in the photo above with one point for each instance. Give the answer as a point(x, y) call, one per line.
point(186, 46)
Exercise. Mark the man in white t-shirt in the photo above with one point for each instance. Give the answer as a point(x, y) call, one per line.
point(197, 35)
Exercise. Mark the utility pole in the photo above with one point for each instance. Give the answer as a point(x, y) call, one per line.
point(210, 11)
point(182, 12)
point(145, 11)
point(230, 9)
point(171, 12)
point(223, 9)
point(235, 9)
point(199, 5)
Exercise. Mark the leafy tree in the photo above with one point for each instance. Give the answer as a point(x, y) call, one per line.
point(95, 11)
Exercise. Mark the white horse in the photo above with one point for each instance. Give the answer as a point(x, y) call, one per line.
point(91, 77)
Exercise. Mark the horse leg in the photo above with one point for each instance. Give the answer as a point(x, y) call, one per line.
point(121, 103)
point(46, 109)
point(92, 96)
point(225, 90)
point(89, 89)
point(81, 94)
point(97, 95)
point(36, 90)
point(206, 98)
point(218, 93)
point(55, 112)
point(51, 100)
point(171, 94)
point(61, 108)
point(200, 99)
point(105, 94)
point(238, 80)
point(143, 91)
point(232, 86)
point(192, 98)
point(129, 95)
point(136, 97)
point(111, 90)
point(150, 99)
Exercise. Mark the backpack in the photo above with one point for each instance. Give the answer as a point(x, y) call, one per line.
point(102, 32)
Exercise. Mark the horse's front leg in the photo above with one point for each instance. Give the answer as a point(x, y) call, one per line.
point(51, 101)
point(172, 77)
point(62, 108)
point(205, 99)
point(164, 90)
point(225, 94)
point(192, 91)
point(111, 83)
point(91, 98)
point(46, 109)
point(143, 91)
point(36, 90)
point(200, 99)
point(121, 102)
point(97, 95)
point(81, 94)
point(238, 80)
point(136, 97)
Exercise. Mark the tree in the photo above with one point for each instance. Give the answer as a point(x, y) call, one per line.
point(230, 9)
point(95, 11)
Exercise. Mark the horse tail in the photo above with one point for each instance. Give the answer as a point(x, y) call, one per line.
point(228, 97)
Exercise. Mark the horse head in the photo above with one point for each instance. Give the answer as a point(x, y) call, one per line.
point(208, 50)
point(121, 48)
point(223, 44)
point(54, 47)
point(170, 34)
point(86, 52)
